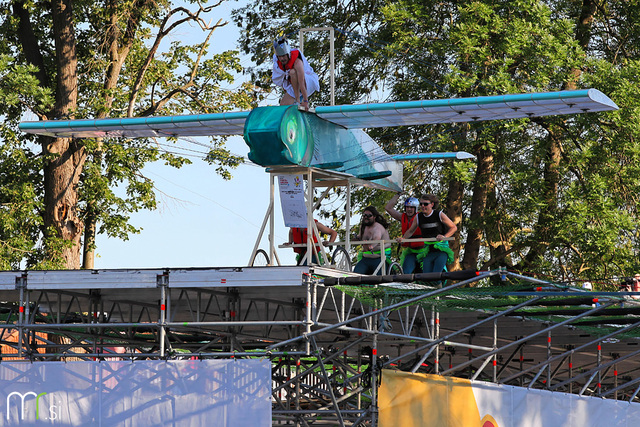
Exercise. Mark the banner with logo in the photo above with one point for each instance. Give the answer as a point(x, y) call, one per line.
point(142, 393)
point(294, 209)
point(413, 400)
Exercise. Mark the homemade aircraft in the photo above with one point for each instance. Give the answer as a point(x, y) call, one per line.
point(327, 145)
point(331, 137)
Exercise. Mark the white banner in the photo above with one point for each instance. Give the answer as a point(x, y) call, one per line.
point(517, 406)
point(294, 209)
point(142, 393)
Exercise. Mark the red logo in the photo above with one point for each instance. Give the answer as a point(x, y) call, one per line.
point(488, 421)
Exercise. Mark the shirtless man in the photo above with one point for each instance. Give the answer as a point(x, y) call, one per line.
point(372, 227)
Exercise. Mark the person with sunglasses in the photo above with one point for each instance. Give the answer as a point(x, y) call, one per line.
point(373, 226)
point(435, 224)
point(410, 250)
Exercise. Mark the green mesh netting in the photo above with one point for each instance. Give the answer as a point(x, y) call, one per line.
point(494, 298)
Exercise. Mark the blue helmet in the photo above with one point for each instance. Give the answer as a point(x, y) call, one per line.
point(281, 46)
point(412, 202)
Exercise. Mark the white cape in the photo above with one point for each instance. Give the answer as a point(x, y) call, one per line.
point(311, 78)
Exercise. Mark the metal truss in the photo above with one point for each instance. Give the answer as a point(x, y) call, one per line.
point(327, 348)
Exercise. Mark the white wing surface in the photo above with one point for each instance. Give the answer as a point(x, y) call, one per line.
point(360, 116)
point(357, 116)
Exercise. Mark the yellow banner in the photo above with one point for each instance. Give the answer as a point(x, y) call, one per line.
point(411, 400)
point(416, 400)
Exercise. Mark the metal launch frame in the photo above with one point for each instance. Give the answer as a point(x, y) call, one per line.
point(327, 347)
point(316, 178)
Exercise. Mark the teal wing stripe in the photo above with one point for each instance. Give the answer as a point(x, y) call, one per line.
point(467, 109)
point(458, 155)
point(349, 116)
point(134, 127)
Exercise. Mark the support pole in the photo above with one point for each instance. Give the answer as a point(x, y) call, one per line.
point(21, 284)
point(347, 214)
point(310, 222)
point(495, 346)
point(163, 280)
point(308, 311)
point(272, 237)
point(571, 372)
point(437, 346)
point(549, 355)
point(329, 383)
point(635, 393)
point(599, 383)
point(374, 373)
point(332, 84)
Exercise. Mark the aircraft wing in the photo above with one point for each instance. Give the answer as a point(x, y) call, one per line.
point(231, 123)
point(359, 116)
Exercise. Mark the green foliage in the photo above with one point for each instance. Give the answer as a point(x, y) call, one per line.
point(120, 73)
point(20, 182)
point(561, 192)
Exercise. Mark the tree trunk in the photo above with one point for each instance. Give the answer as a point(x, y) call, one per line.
point(88, 254)
point(66, 157)
point(482, 186)
point(583, 36)
point(117, 54)
point(553, 152)
point(29, 42)
point(546, 219)
point(498, 239)
point(61, 177)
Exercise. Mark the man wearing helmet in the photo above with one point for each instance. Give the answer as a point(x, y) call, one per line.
point(292, 71)
point(410, 250)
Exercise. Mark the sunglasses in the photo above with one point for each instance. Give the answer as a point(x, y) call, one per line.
point(425, 203)
point(368, 215)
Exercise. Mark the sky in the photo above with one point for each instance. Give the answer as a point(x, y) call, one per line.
point(202, 220)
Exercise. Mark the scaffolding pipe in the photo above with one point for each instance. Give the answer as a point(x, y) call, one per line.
point(389, 308)
point(517, 342)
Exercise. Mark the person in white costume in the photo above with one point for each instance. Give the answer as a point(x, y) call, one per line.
point(292, 71)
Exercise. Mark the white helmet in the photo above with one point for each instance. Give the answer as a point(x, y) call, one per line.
point(281, 46)
point(412, 202)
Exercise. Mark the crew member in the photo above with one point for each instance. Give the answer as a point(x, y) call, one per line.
point(299, 236)
point(434, 223)
point(410, 250)
point(292, 71)
point(372, 227)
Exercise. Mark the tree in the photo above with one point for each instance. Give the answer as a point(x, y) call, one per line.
point(553, 196)
point(81, 59)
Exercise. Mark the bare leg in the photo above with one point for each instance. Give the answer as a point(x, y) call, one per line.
point(295, 82)
point(287, 100)
point(300, 85)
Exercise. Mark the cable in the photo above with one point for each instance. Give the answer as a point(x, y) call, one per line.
point(209, 199)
